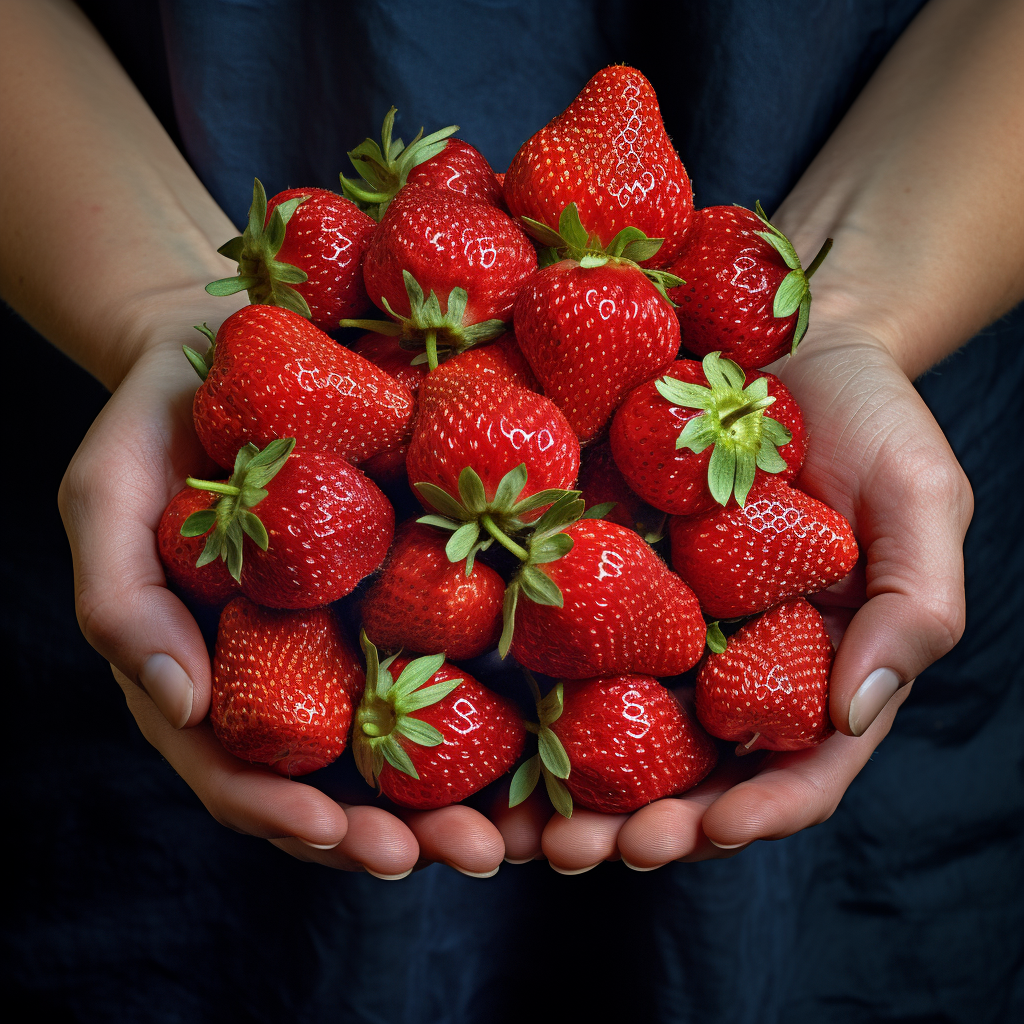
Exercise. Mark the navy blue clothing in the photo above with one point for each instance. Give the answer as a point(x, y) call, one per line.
point(132, 904)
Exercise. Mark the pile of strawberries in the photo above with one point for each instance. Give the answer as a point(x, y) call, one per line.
point(591, 495)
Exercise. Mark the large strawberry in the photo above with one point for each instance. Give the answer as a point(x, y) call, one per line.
point(423, 602)
point(487, 455)
point(211, 583)
point(768, 689)
point(592, 598)
point(302, 250)
point(782, 543)
point(701, 435)
point(297, 528)
point(614, 744)
point(609, 154)
point(284, 683)
point(746, 294)
point(428, 734)
point(271, 373)
point(593, 326)
point(446, 268)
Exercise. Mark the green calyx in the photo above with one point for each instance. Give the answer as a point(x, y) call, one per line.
point(201, 363)
point(794, 293)
point(571, 241)
point(438, 334)
point(267, 280)
point(385, 168)
point(384, 721)
point(733, 421)
point(232, 518)
point(551, 761)
point(715, 639)
point(477, 522)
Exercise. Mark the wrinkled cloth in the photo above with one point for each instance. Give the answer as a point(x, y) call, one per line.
point(130, 903)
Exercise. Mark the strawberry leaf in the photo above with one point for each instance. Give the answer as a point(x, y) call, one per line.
point(508, 612)
point(396, 756)
point(558, 795)
point(552, 753)
point(442, 501)
point(440, 522)
point(510, 486)
point(769, 459)
point(716, 638)
point(462, 541)
point(255, 530)
point(539, 587)
point(198, 523)
point(419, 732)
point(471, 490)
point(687, 396)
point(426, 695)
point(550, 707)
point(697, 435)
point(524, 781)
point(722, 473)
point(415, 674)
point(790, 294)
point(550, 549)
point(599, 511)
point(775, 431)
point(801, 321)
point(746, 467)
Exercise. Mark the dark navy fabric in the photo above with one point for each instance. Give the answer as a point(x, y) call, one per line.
point(132, 904)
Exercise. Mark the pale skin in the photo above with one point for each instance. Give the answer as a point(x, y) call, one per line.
point(920, 187)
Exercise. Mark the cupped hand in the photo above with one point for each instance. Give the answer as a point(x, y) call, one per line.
point(134, 458)
point(876, 455)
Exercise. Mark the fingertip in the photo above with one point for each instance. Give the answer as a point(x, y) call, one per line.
point(379, 842)
point(582, 841)
point(460, 837)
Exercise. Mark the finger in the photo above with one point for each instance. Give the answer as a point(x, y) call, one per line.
point(670, 829)
point(111, 500)
point(522, 826)
point(244, 797)
point(577, 844)
point(377, 841)
point(460, 837)
point(793, 791)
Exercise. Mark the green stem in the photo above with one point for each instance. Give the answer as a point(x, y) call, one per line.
point(505, 541)
point(534, 688)
point(214, 485)
point(817, 261)
point(377, 326)
point(745, 410)
point(431, 342)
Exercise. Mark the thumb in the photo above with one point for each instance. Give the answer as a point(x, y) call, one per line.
point(912, 523)
point(131, 462)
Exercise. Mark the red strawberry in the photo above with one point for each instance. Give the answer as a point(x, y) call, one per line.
point(604, 603)
point(609, 154)
point(746, 294)
point(303, 250)
point(423, 602)
point(319, 528)
point(428, 734)
point(210, 584)
point(487, 455)
point(446, 267)
point(601, 482)
point(460, 169)
point(782, 543)
point(284, 683)
point(683, 447)
point(629, 741)
point(271, 373)
point(592, 331)
point(386, 352)
point(768, 690)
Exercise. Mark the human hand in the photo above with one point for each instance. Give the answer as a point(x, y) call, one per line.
point(134, 458)
point(876, 455)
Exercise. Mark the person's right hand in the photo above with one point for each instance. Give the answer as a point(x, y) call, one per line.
point(132, 461)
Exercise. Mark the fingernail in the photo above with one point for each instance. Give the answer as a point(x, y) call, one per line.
point(874, 693)
point(169, 688)
point(318, 846)
point(633, 867)
point(525, 860)
point(574, 871)
point(387, 878)
point(727, 846)
point(474, 874)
